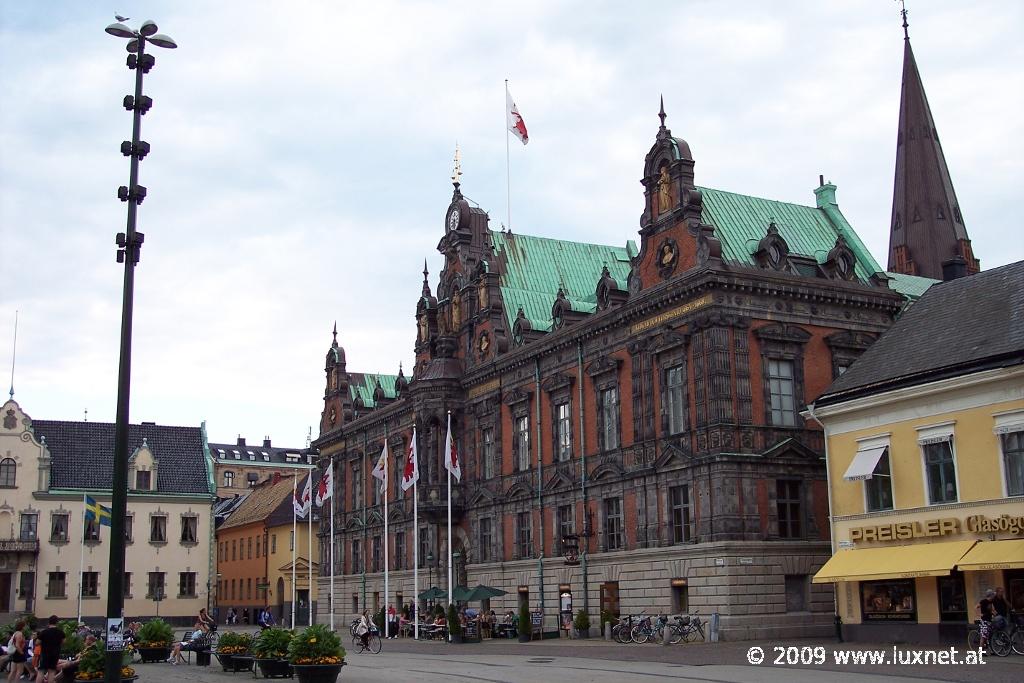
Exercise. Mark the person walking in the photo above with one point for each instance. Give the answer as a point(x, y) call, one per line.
point(50, 639)
point(17, 652)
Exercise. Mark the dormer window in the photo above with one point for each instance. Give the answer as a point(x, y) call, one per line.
point(143, 480)
point(772, 251)
point(238, 456)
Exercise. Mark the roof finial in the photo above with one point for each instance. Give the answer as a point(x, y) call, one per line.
point(426, 285)
point(335, 333)
point(661, 113)
point(457, 169)
point(903, 11)
point(14, 352)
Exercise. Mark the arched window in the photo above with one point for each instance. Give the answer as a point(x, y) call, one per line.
point(229, 479)
point(8, 469)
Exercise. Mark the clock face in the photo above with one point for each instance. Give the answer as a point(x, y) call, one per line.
point(453, 219)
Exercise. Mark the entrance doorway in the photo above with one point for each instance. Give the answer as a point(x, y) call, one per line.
point(610, 597)
point(5, 592)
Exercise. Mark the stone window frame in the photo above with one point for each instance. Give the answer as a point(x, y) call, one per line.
point(518, 402)
point(181, 580)
point(153, 586)
point(229, 479)
point(846, 347)
point(376, 553)
point(400, 559)
point(185, 517)
point(604, 376)
point(24, 516)
point(558, 387)
point(487, 549)
point(91, 532)
point(153, 517)
point(561, 526)
point(800, 501)
point(929, 437)
point(63, 593)
point(66, 514)
point(93, 590)
point(523, 544)
point(355, 558)
point(689, 525)
point(8, 473)
point(1009, 425)
point(488, 417)
point(783, 342)
point(671, 354)
point(608, 534)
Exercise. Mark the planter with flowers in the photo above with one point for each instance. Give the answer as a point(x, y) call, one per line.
point(316, 655)
point(155, 639)
point(232, 651)
point(93, 662)
point(270, 648)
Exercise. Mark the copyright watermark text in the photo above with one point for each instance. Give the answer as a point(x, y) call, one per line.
point(779, 655)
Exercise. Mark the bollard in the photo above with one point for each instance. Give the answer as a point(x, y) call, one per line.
point(607, 630)
point(713, 628)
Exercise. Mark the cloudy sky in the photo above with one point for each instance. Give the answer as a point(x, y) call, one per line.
point(301, 155)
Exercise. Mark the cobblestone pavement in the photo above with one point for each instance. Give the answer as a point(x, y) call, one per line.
point(565, 661)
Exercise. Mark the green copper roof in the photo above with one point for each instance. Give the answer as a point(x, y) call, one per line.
point(362, 385)
point(910, 286)
point(741, 221)
point(536, 267)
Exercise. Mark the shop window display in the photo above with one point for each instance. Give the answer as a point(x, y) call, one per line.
point(888, 600)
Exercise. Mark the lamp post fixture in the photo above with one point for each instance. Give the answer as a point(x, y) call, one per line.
point(129, 245)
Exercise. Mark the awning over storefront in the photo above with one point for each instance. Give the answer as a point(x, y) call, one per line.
point(864, 463)
point(994, 555)
point(899, 562)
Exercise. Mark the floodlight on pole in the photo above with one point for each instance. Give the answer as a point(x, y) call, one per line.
point(129, 246)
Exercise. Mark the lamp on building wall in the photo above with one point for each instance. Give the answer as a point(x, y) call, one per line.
point(129, 245)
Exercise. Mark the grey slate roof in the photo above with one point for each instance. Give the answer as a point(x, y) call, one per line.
point(282, 514)
point(261, 454)
point(82, 455)
point(966, 325)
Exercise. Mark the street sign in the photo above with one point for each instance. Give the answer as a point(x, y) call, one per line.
point(115, 634)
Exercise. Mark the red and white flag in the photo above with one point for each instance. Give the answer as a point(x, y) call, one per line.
point(380, 470)
point(304, 500)
point(325, 489)
point(515, 121)
point(411, 469)
point(451, 456)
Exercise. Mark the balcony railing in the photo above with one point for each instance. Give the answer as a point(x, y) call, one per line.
point(19, 545)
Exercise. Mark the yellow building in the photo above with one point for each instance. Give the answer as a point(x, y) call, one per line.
point(49, 555)
point(279, 561)
point(925, 450)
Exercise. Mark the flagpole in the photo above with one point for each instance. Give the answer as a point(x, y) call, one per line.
point(449, 517)
point(387, 620)
point(81, 561)
point(332, 546)
point(295, 539)
point(415, 548)
point(508, 175)
point(309, 538)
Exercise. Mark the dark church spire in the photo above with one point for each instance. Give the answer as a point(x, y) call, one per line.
point(926, 231)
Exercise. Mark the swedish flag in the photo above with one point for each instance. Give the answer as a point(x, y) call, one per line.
point(96, 512)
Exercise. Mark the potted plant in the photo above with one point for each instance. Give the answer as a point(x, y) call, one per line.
point(454, 624)
point(582, 624)
point(525, 626)
point(93, 663)
point(155, 639)
point(233, 650)
point(270, 648)
point(316, 655)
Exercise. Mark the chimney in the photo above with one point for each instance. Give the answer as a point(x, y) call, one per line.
point(266, 442)
point(277, 477)
point(241, 440)
point(954, 268)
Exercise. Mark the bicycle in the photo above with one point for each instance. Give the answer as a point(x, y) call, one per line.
point(642, 632)
point(1016, 633)
point(621, 630)
point(689, 629)
point(999, 642)
point(373, 643)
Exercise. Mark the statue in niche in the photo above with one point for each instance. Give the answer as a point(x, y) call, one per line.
point(456, 312)
point(664, 190)
point(481, 296)
point(423, 327)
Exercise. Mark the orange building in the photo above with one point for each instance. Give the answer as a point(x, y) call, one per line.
point(242, 549)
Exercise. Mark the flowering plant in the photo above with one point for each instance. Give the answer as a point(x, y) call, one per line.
point(316, 645)
point(272, 643)
point(156, 633)
point(234, 643)
point(93, 662)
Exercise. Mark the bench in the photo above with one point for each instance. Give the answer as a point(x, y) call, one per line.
point(201, 647)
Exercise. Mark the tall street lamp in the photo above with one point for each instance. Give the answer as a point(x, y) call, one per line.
point(129, 245)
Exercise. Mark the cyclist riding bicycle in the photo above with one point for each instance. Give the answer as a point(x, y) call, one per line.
point(363, 628)
point(986, 613)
